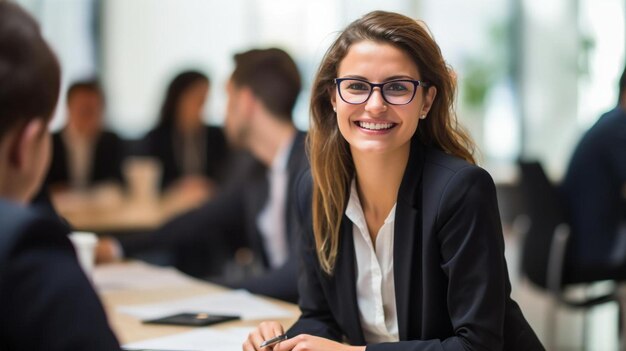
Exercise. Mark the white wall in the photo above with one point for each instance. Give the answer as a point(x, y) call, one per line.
point(564, 91)
point(147, 42)
point(66, 24)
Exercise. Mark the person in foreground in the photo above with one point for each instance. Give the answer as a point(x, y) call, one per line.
point(46, 301)
point(403, 248)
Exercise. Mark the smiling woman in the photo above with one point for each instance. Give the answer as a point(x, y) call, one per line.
point(381, 117)
point(402, 246)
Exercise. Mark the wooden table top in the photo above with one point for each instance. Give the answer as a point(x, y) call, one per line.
point(130, 329)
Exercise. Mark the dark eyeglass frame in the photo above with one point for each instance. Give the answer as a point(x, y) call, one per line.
point(416, 83)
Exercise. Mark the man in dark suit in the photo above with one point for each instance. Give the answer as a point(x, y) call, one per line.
point(46, 301)
point(256, 208)
point(84, 154)
point(593, 190)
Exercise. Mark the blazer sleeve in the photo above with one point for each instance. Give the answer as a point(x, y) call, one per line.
point(316, 317)
point(48, 303)
point(279, 283)
point(211, 221)
point(472, 253)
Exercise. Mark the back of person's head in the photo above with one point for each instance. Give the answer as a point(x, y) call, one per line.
point(175, 91)
point(272, 76)
point(29, 71)
point(89, 86)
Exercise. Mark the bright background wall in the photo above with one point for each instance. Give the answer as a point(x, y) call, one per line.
point(533, 75)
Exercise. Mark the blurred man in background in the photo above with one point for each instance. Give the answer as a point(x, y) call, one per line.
point(256, 209)
point(593, 189)
point(84, 154)
point(46, 301)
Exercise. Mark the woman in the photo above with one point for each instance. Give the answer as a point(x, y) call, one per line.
point(192, 154)
point(403, 247)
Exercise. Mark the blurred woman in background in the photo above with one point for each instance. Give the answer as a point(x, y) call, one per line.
point(193, 155)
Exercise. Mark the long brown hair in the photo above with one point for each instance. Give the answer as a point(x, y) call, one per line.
point(331, 161)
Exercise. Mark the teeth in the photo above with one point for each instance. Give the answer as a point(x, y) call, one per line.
point(375, 126)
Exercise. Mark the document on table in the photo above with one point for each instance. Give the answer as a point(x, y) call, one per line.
point(197, 340)
point(137, 276)
point(236, 302)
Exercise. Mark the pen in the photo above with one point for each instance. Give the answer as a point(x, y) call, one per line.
point(274, 341)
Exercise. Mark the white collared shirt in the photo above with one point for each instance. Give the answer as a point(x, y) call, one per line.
point(271, 220)
point(80, 152)
point(190, 151)
point(375, 290)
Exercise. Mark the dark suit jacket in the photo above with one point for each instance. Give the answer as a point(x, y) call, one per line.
point(451, 281)
point(106, 165)
point(159, 143)
point(232, 217)
point(592, 189)
point(46, 301)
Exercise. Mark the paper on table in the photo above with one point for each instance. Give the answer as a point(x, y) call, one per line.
point(198, 340)
point(137, 276)
point(237, 302)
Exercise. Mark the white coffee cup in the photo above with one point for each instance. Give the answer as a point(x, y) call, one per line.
point(85, 245)
point(143, 175)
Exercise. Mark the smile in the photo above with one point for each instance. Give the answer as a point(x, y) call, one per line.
point(375, 126)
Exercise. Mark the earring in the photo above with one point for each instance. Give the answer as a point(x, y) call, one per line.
point(335, 108)
point(422, 116)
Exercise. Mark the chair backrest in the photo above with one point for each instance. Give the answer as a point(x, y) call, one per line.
point(545, 211)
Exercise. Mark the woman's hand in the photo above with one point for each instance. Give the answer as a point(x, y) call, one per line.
point(107, 250)
point(304, 342)
point(264, 331)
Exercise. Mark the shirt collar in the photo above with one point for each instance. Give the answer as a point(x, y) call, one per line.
point(354, 210)
point(279, 163)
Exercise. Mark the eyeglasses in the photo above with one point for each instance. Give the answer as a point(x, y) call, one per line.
point(395, 92)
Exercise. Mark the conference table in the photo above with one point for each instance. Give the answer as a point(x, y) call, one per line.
point(138, 284)
point(108, 211)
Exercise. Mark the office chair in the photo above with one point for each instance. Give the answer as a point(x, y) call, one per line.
point(545, 247)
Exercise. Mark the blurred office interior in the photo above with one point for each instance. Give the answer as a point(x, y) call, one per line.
point(533, 76)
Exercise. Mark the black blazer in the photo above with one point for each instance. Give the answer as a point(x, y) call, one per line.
point(159, 143)
point(46, 302)
point(594, 201)
point(232, 217)
point(451, 281)
point(106, 165)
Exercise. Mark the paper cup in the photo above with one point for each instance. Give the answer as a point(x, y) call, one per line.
point(85, 245)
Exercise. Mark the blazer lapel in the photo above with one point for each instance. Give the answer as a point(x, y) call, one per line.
point(407, 242)
point(345, 281)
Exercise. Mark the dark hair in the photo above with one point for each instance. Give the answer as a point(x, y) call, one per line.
point(91, 85)
point(29, 71)
point(175, 90)
point(273, 77)
point(622, 85)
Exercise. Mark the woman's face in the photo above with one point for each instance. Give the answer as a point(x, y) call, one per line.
point(190, 105)
point(376, 126)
